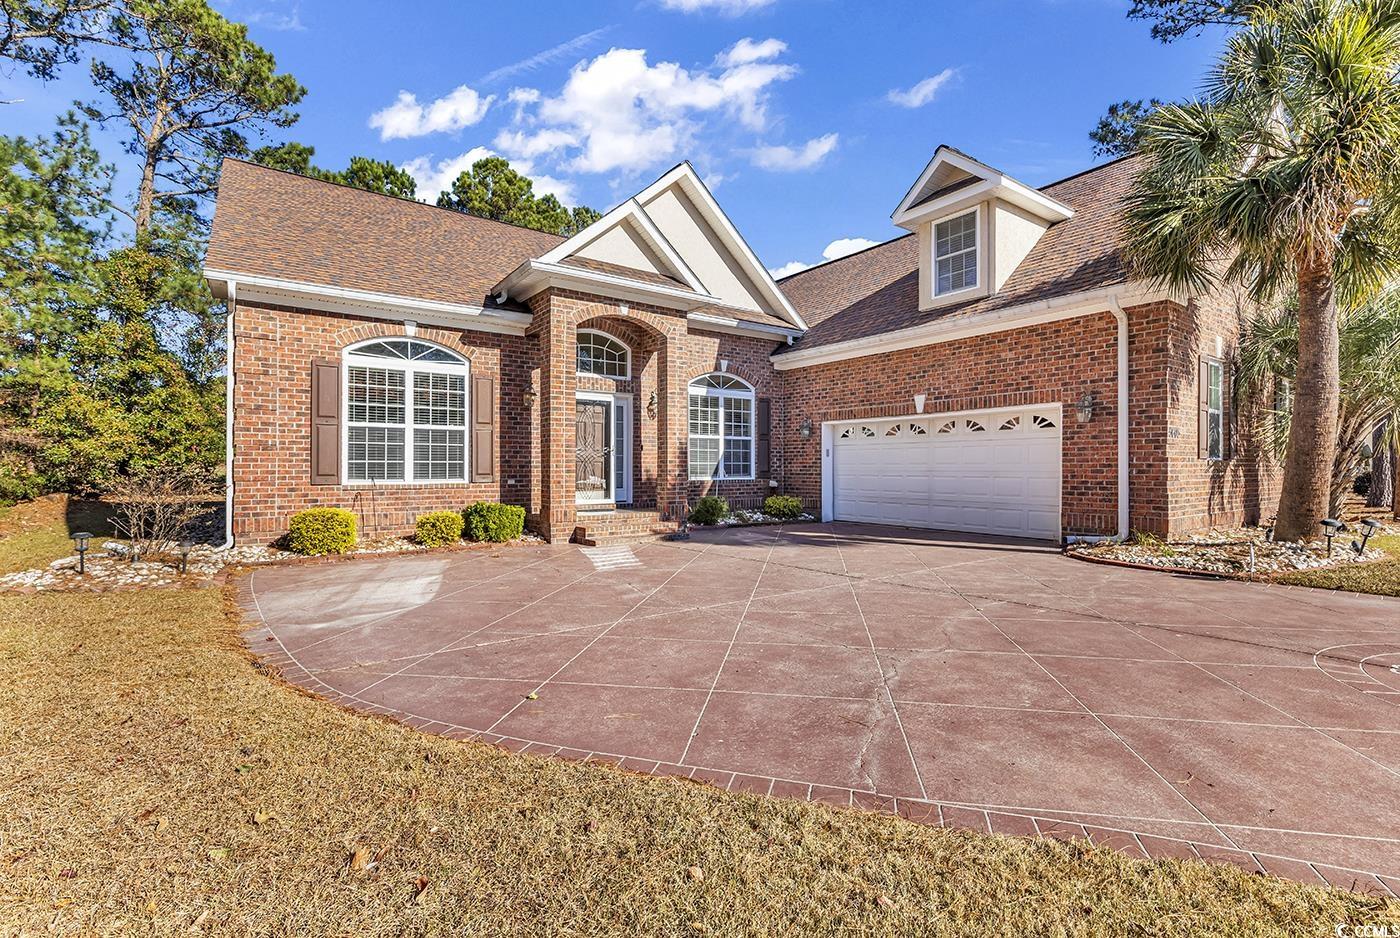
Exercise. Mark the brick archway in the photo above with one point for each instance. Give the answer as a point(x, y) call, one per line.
point(653, 336)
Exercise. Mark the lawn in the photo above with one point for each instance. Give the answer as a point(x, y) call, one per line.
point(155, 780)
point(1380, 576)
point(34, 534)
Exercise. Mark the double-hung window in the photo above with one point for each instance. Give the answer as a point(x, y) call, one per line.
point(955, 254)
point(721, 419)
point(1212, 393)
point(405, 412)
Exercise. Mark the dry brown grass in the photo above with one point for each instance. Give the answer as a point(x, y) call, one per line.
point(34, 534)
point(152, 779)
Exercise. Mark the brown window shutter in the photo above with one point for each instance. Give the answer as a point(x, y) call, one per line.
point(325, 423)
point(483, 428)
point(1203, 409)
point(763, 465)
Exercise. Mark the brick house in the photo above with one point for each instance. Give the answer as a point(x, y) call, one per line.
point(994, 370)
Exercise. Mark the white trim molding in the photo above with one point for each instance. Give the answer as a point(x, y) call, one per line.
point(393, 307)
point(712, 322)
point(992, 184)
point(534, 275)
point(949, 329)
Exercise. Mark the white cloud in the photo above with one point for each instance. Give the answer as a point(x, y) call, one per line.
point(433, 178)
point(747, 50)
point(843, 246)
point(529, 146)
point(619, 112)
point(792, 159)
point(788, 269)
point(462, 107)
point(836, 249)
point(924, 91)
point(727, 7)
point(539, 59)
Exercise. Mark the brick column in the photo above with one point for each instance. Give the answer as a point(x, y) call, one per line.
point(557, 383)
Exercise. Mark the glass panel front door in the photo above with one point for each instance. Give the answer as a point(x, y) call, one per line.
point(593, 474)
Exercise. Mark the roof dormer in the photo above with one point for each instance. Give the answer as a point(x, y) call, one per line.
point(975, 226)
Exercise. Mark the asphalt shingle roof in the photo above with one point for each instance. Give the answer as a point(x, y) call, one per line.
point(276, 224)
point(877, 290)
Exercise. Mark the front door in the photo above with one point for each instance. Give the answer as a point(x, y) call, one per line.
point(593, 473)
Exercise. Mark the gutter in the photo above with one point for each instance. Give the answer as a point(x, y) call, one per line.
point(948, 330)
point(228, 415)
point(1116, 306)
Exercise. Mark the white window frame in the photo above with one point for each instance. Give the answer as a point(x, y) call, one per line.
point(725, 395)
point(462, 367)
point(626, 360)
point(1215, 367)
point(976, 212)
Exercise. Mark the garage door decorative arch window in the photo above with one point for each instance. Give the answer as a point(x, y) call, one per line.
point(721, 428)
point(406, 412)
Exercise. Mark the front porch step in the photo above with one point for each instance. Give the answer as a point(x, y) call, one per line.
point(601, 528)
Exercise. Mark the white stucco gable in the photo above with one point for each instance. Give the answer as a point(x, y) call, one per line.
point(675, 229)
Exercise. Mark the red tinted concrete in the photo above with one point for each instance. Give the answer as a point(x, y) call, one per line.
point(992, 685)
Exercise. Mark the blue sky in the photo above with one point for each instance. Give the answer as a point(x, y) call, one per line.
point(809, 118)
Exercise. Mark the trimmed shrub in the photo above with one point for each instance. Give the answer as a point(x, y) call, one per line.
point(712, 509)
point(437, 528)
point(782, 506)
point(489, 521)
point(321, 531)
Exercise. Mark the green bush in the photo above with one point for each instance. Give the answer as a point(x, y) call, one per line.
point(712, 509)
point(782, 506)
point(437, 528)
point(489, 521)
point(321, 531)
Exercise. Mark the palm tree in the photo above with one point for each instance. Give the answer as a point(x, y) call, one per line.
point(1284, 177)
point(1369, 380)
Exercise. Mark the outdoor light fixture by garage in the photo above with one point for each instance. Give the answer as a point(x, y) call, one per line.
point(80, 541)
point(805, 431)
point(1330, 529)
point(919, 401)
point(1084, 408)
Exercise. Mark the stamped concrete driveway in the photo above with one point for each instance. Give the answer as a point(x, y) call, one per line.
point(986, 684)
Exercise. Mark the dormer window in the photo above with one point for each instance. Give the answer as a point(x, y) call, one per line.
point(955, 253)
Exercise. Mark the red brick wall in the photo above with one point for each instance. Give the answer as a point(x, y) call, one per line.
point(1056, 362)
point(1243, 487)
point(1172, 489)
point(273, 351)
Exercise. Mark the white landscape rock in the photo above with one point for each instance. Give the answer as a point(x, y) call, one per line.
point(1234, 552)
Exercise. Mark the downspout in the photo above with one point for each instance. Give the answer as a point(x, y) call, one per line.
point(1116, 307)
point(1122, 317)
point(228, 416)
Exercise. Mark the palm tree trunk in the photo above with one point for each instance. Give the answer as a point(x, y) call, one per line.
point(1379, 495)
point(1312, 431)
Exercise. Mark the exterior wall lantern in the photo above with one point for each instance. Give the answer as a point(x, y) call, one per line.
point(651, 405)
point(529, 397)
point(805, 431)
point(1084, 407)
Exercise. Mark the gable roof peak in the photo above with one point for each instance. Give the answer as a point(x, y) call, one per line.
point(952, 179)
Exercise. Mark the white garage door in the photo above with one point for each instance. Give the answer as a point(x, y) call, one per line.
point(992, 473)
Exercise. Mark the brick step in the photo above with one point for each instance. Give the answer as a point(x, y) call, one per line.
point(595, 529)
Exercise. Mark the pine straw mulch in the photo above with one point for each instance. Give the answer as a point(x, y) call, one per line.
point(153, 780)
